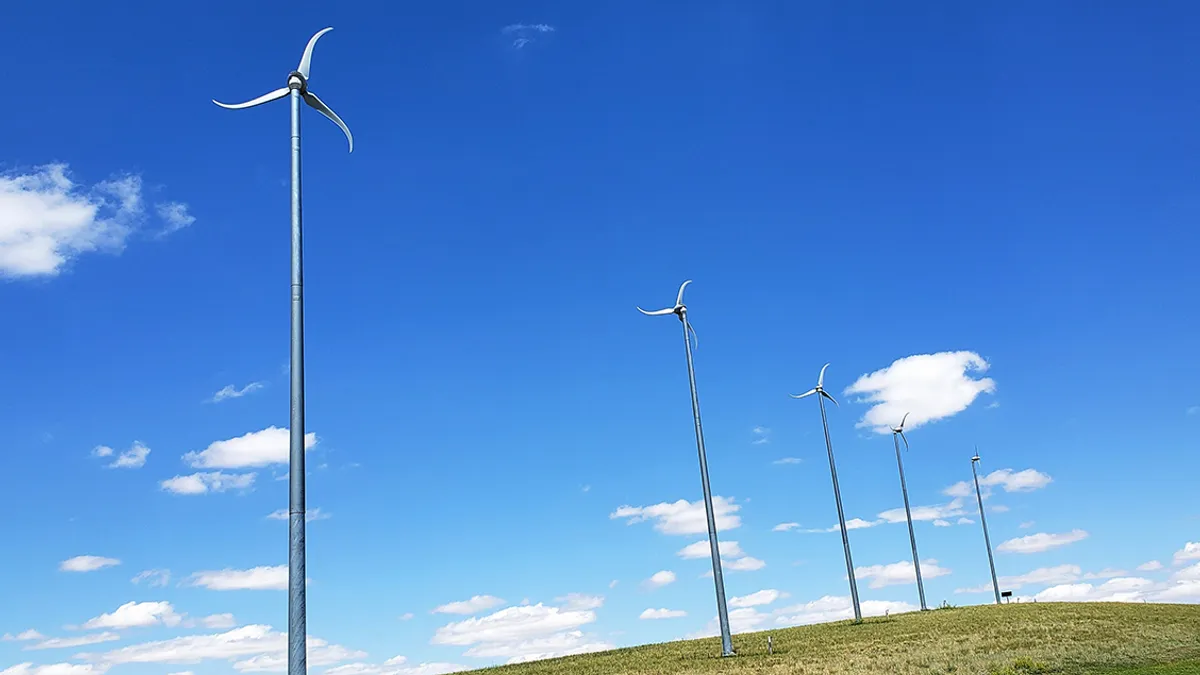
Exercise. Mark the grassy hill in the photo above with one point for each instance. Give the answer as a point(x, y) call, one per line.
point(1125, 639)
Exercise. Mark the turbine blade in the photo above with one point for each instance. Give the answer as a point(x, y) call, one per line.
point(657, 312)
point(319, 105)
point(903, 419)
point(826, 395)
point(265, 98)
point(679, 298)
point(695, 338)
point(306, 60)
point(905, 439)
point(810, 392)
point(821, 377)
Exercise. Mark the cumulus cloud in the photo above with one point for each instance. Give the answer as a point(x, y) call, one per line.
point(80, 641)
point(580, 601)
point(251, 450)
point(701, 549)
point(929, 387)
point(1006, 479)
point(397, 665)
point(55, 669)
point(756, 599)
point(836, 608)
point(136, 615)
point(683, 517)
point(1036, 543)
point(921, 513)
point(660, 579)
point(133, 458)
point(87, 563)
point(743, 564)
point(1061, 574)
point(229, 391)
point(1150, 566)
point(253, 579)
point(654, 614)
point(523, 633)
point(1190, 551)
point(785, 527)
point(903, 572)
point(851, 524)
point(207, 481)
point(475, 604)
point(1125, 589)
point(23, 636)
point(253, 648)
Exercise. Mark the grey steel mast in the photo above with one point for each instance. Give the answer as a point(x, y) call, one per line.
point(983, 520)
point(897, 434)
point(680, 310)
point(819, 390)
point(297, 89)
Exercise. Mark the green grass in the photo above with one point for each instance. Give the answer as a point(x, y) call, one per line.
point(1019, 639)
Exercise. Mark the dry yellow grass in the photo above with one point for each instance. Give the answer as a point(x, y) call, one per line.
point(989, 640)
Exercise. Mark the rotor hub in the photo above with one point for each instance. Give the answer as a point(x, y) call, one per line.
point(297, 81)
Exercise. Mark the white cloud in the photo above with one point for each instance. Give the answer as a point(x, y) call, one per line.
point(784, 527)
point(929, 387)
point(1106, 573)
point(836, 608)
point(683, 517)
point(261, 578)
point(1061, 574)
point(1190, 551)
point(477, 603)
point(523, 33)
point(744, 564)
point(901, 572)
point(251, 450)
point(47, 220)
point(207, 481)
point(407, 616)
point(219, 621)
point(1026, 525)
point(259, 647)
point(1150, 566)
point(229, 391)
point(999, 508)
point(1007, 479)
point(309, 515)
point(652, 614)
point(660, 579)
point(788, 460)
point(1036, 543)
point(580, 601)
point(133, 458)
point(613, 583)
point(1125, 589)
point(395, 666)
point(762, 435)
point(153, 578)
point(82, 640)
point(756, 599)
point(23, 636)
point(87, 563)
point(523, 633)
point(923, 513)
point(941, 523)
point(701, 549)
point(175, 215)
point(55, 669)
point(965, 521)
point(852, 524)
point(136, 615)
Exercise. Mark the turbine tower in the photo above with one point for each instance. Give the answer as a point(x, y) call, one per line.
point(680, 310)
point(897, 434)
point(986, 540)
point(819, 390)
point(297, 88)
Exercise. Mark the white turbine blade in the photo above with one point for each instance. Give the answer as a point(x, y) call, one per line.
point(657, 312)
point(306, 60)
point(810, 392)
point(679, 298)
point(902, 420)
point(265, 98)
point(319, 105)
point(821, 377)
point(905, 439)
point(696, 338)
point(826, 395)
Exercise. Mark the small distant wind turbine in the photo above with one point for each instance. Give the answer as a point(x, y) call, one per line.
point(680, 310)
point(297, 86)
point(983, 520)
point(819, 390)
point(897, 434)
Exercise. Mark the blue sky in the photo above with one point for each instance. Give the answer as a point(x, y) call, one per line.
point(980, 214)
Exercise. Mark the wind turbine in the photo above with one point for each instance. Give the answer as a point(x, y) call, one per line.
point(897, 434)
point(986, 540)
point(819, 390)
point(297, 88)
point(680, 310)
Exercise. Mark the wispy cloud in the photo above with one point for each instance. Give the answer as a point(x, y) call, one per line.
point(154, 578)
point(654, 614)
point(1006, 479)
point(1036, 543)
point(473, 605)
point(524, 33)
point(683, 517)
point(175, 216)
point(87, 563)
point(256, 578)
point(929, 387)
point(229, 391)
point(204, 482)
point(133, 458)
point(309, 515)
point(785, 527)
point(787, 460)
point(762, 435)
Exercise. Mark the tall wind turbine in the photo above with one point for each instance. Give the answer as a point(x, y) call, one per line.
point(897, 434)
point(986, 540)
point(297, 88)
point(819, 390)
point(680, 310)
